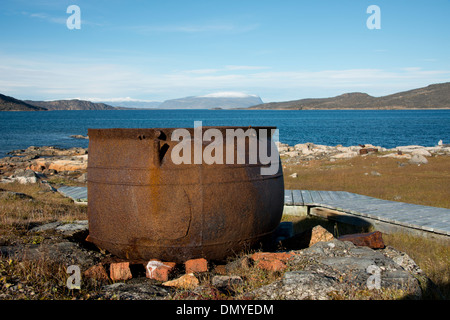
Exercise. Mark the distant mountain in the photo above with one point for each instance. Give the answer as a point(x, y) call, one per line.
point(136, 104)
point(12, 104)
point(222, 100)
point(435, 96)
point(73, 104)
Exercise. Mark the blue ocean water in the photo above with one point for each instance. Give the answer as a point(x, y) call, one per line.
point(386, 128)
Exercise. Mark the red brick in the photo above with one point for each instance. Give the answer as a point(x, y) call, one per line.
point(271, 265)
point(372, 240)
point(120, 271)
point(196, 265)
point(272, 261)
point(158, 270)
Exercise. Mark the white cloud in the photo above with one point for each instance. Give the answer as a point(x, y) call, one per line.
point(53, 79)
point(245, 68)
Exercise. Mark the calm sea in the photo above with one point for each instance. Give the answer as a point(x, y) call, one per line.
point(386, 128)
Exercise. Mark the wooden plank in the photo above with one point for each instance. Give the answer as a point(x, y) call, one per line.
point(288, 198)
point(315, 195)
point(325, 196)
point(307, 199)
point(340, 195)
point(333, 195)
point(297, 198)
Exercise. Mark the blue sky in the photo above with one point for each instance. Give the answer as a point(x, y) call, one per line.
point(280, 50)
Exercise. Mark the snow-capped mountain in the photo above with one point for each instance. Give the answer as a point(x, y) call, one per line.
point(223, 100)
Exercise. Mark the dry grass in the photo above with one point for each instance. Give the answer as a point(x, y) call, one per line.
point(431, 255)
point(19, 215)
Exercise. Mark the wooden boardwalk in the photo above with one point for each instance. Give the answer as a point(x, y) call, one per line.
point(424, 218)
point(77, 194)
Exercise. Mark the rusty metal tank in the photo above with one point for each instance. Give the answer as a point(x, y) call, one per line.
point(144, 206)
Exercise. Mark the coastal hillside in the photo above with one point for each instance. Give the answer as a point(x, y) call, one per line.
point(73, 104)
point(435, 96)
point(11, 104)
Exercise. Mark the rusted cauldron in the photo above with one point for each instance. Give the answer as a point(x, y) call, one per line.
point(144, 206)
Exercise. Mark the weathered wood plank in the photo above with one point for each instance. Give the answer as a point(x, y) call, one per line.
point(325, 196)
point(315, 195)
point(288, 198)
point(307, 199)
point(297, 198)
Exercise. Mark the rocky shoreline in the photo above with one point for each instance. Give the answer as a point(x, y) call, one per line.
point(39, 163)
point(310, 151)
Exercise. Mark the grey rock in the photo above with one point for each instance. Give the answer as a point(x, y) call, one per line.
point(82, 178)
point(69, 229)
point(11, 195)
point(140, 290)
point(418, 159)
point(298, 285)
point(23, 177)
point(46, 227)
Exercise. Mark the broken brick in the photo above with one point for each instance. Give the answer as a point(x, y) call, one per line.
point(158, 270)
point(271, 265)
point(196, 265)
point(372, 240)
point(120, 271)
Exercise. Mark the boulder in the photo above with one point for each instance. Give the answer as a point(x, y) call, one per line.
point(345, 155)
point(418, 159)
point(318, 234)
point(141, 290)
point(24, 176)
